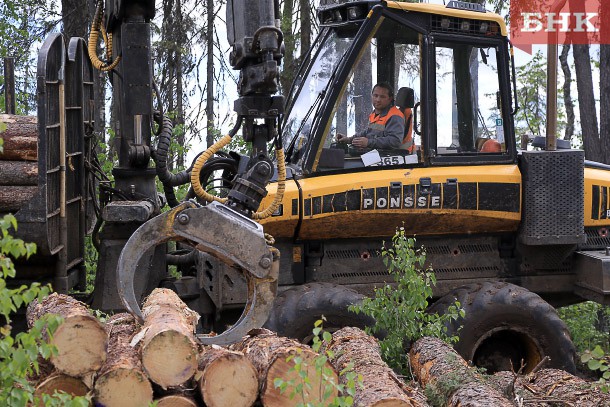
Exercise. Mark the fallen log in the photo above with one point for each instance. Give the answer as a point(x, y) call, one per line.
point(550, 387)
point(121, 380)
point(59, 383)
point(12, 198)
point(167, 340)
point(18, 173)
point(177, 401)
point(275, 357)
point(20, 135)
point(80, 339)
point(447, 379)
point(226, 378)
point(380, 385)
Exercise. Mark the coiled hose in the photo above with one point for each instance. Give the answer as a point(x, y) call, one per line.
point(201, 160)
point(92, 44)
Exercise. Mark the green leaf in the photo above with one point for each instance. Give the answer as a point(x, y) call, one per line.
point(597, 352)
point(593, 364)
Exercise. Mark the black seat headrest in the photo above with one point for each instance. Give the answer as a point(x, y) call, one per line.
point(405, 98)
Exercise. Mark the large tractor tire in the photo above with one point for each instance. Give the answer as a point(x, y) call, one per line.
point(505, 324)
point(297, 309)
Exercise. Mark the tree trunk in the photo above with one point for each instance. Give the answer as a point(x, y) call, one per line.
point(20, 135)
point(289, 61)
point(380, 385)
point(305, 9)
point(209, 104)
point(60, 382)
point(567, 94)
point(180, 45)
point(177, 401)
point(81, 340)
point(167, 339)
point(121, 381)
point(447, 378)
point(273, 358)
point(18, 173)
point(604, 94)
point(12, 198)
point(227, 378)
point(586, 103)
point(363, 86)
point(75, 18)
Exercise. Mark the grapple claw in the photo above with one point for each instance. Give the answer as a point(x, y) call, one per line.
point(225, 234)
point(152, 233)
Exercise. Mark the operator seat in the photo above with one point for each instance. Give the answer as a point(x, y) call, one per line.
point(405, 100)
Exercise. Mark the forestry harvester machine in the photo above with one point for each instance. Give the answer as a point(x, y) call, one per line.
point(510, 233)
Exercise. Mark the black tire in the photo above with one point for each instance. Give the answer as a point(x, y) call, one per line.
point(297, 309)
point(506, 323)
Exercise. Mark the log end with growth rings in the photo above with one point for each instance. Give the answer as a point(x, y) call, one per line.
point(174, 370)
point(177, 401)
point(229, 380)
point(60, 383)
point(81, 343)
point(123, 388)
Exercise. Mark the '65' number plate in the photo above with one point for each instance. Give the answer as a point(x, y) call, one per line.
point(392, 160)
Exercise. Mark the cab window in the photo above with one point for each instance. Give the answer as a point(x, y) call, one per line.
point(393, 56)
point(468, 114)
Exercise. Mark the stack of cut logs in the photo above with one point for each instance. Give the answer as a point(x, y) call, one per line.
point(121, 363)
point(18, 161)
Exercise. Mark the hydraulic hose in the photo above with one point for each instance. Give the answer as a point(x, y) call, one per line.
point(168, 179)
point(201, 160)
point(281, 187)
point(92, 44)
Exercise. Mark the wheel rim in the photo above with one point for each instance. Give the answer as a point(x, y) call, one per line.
point(505, 349)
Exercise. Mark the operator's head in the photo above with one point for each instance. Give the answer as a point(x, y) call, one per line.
point(383, 96)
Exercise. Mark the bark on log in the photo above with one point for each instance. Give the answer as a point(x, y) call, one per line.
point(269, 353)
point(20, 135)
point(81, 340)
point(167, 339)
point(447, 378)
point(380, 385)
point(12, 198)
point(177, 401)
point(550, 387)
point(226, 378)
point(121, 380)
point(60, 382)
point(18, 173)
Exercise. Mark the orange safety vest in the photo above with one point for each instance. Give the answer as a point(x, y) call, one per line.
point(407, 142)
point(380, 121)
point(377, 122)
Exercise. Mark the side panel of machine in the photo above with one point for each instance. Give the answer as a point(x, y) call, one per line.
point(426, 201)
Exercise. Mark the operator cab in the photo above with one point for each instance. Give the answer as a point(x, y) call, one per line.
point(455, 63)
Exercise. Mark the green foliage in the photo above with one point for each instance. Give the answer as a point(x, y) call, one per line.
point(400, 309)
point(19, 354)
point(531, 94)
point(596, 360)
point(588, 323)
point(300, 385)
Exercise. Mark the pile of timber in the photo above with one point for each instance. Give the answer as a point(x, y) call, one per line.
point(449, 381)
point(122, 363)
point(18, 161)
